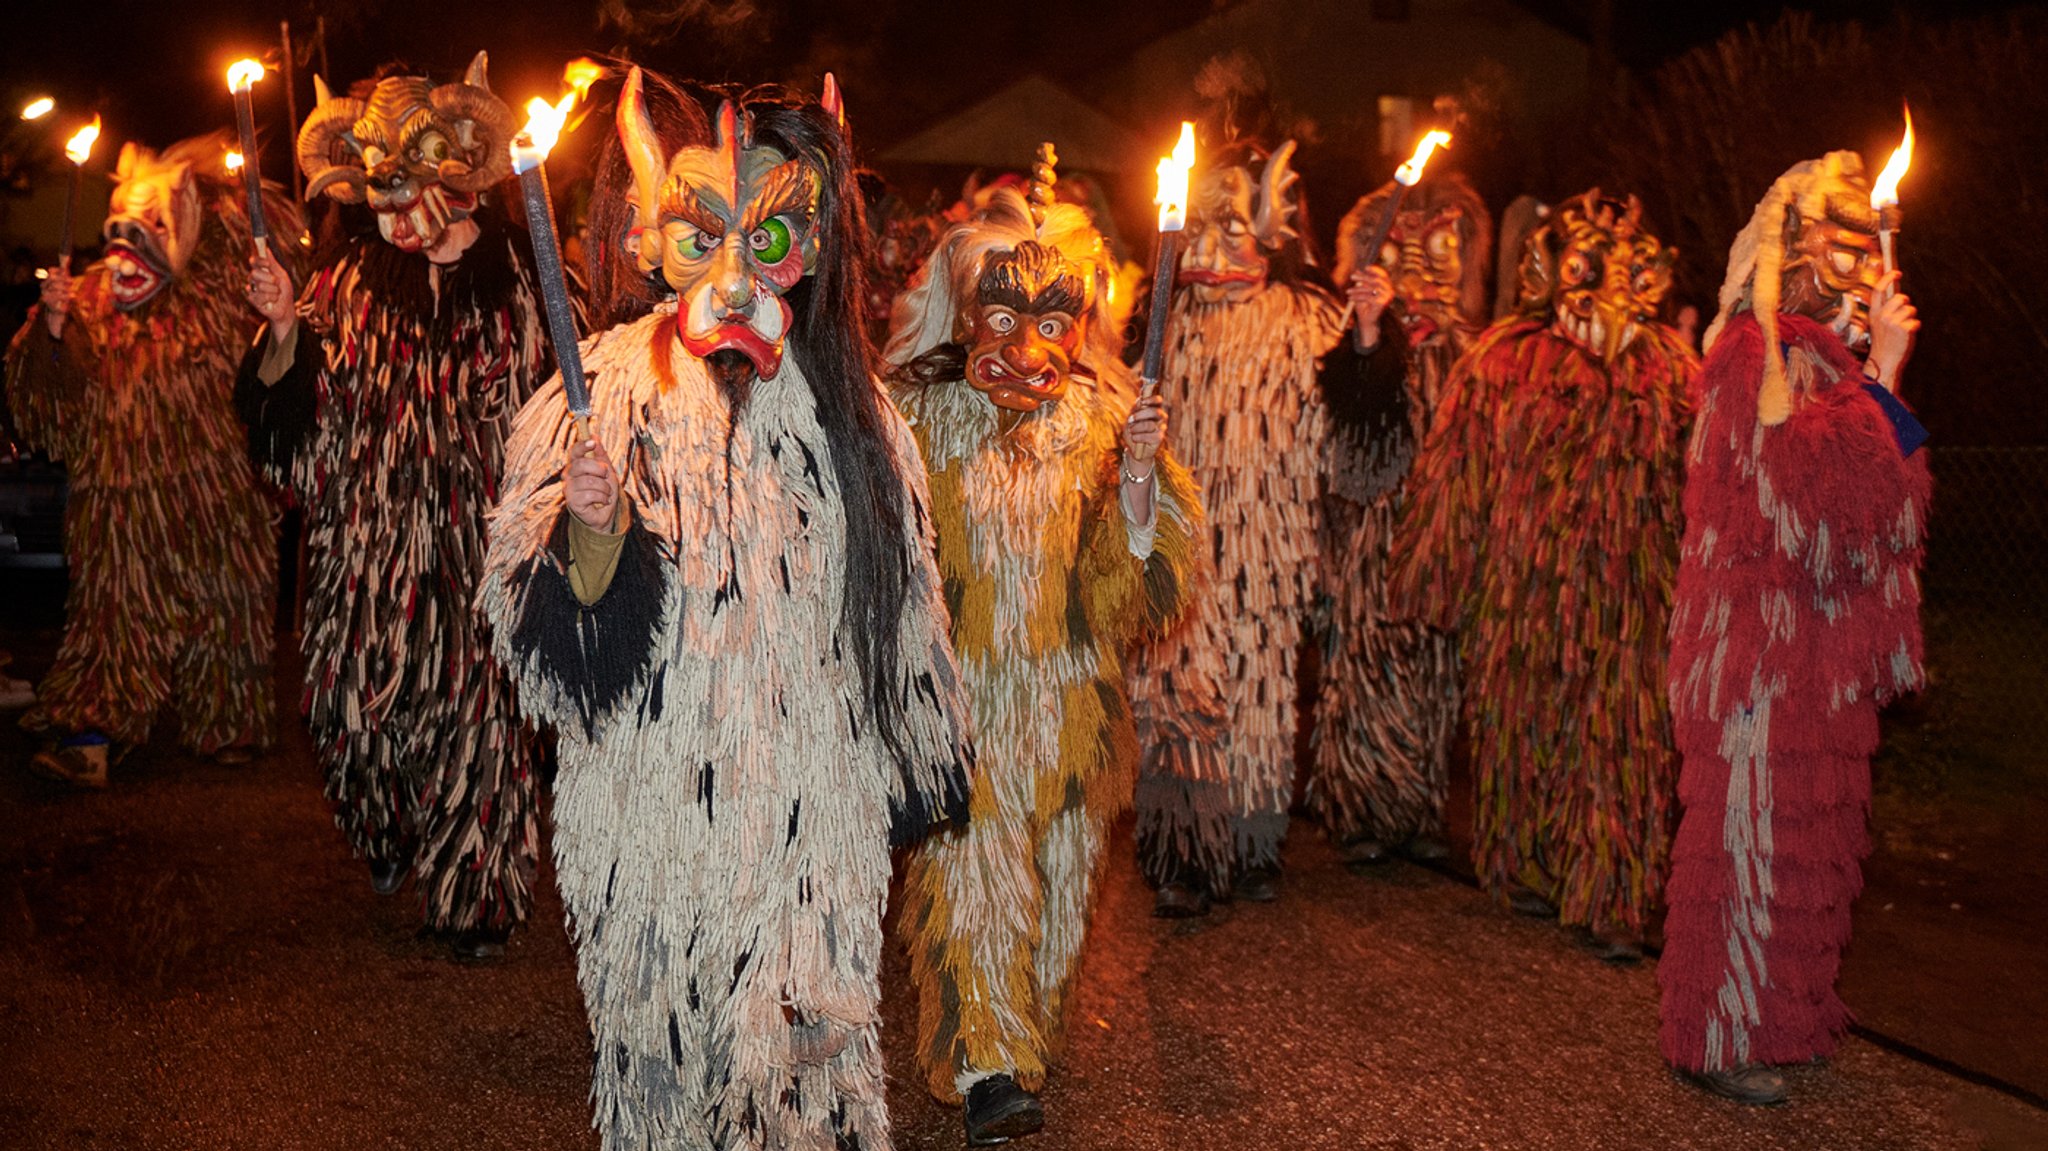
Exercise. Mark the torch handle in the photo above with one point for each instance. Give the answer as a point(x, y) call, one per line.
point(554, 290)
point(1884, 241)
point(1162, 299)
point(1371, 255)
point(252, 172)
point(70, 221)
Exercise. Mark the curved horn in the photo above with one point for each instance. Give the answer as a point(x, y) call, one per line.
point(320, 93)
point(643, 154)
point(1272, 224)
point(1044, 175)
point(478, 75)
point(484, 128)
point(328, 130)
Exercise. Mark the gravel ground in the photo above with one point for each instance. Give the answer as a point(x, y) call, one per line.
point(191, 960)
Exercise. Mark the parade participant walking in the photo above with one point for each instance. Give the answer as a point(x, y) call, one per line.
point(722, 596)
point(1064, 534)
point(1797, 615)
point(1542, 527)
point(381, 400)
point(1388, 708)
point(126, 376)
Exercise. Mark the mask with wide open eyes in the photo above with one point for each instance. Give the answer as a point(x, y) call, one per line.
point(732, 229)
point(417, 154)
point(1595, 273)
point(1833, 262)
point(1235, 225)
point(1026, 326)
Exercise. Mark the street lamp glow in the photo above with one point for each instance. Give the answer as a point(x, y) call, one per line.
point(38, 108)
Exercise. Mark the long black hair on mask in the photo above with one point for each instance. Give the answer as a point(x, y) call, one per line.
point(826, 339)
point(619, 292)
point(830, 343)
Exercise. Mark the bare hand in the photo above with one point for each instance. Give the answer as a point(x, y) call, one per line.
point(1143, 433)
point(1370, 291)
point(592, 489)
point(56, 299)
point(1893, 322)
point(271, 292)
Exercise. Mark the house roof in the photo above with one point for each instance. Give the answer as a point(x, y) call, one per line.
point(1005, 130)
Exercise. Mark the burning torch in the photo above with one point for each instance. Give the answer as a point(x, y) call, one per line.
point(529, 158)
point(1406, 176)
point(1884, 194)
point(242, 77)
point(1173, 218)
point(78, 150)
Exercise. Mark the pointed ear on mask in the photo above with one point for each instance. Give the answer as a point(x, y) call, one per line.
point(643, 155)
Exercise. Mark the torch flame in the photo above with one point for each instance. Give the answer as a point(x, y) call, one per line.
point(234, 161)
point(1410, 173)
point(1173, 181)
point(38, 108)
point(580, 74)
point(543, 127)
point(243, 74)
point(1885, 193)
point(79, 147)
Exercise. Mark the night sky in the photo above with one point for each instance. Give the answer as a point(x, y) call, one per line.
point(153, 68)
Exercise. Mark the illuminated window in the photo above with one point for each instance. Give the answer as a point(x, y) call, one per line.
point(1397, 124)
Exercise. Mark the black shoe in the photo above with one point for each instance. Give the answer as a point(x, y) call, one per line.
point(1426, 849)
point(386, 875)
point(480, 944)
point(1181, 899)
point(1258, 884)
point(1523, 901)
point(998, 1111)
point(1362, 853)
point(1754, 1085)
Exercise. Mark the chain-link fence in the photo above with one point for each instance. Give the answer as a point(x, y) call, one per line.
point(1986, 607)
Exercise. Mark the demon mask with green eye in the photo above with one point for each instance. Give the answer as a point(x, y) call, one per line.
point(419, 155)
point(1596, 273)
point(730, 231)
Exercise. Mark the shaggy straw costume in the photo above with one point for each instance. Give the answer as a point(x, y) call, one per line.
point(389, 425)
point(1249, 424)
point(1797, 615)
point(172, 545)
point(1388, 706)
point(390, 428)
point(1542, 526)
point(1047, 583)
point(743, 731)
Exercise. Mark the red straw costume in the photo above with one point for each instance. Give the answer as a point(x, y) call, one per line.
point(1797, 614)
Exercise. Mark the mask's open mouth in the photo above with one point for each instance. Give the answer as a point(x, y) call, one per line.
point(991, 372)
point(134, 275)
point(416, 220)
point(1215, 277)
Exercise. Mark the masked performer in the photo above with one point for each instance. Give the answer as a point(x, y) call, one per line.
point(382, 401)
point(1389, 699)
point(1542, 526)
point(1797, 615)
point(127, 377)
point(1058, 546)
point(1215, 698)
point(726, 603)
